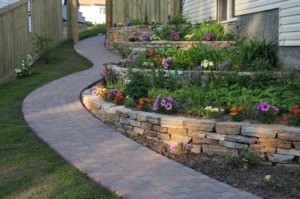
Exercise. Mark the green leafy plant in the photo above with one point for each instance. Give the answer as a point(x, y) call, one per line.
point(138, 85)
point(43, 46)
point(273, 181)
point(179, 19)
point(249, 159)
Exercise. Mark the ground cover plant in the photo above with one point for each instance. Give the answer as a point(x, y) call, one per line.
point(28, 168)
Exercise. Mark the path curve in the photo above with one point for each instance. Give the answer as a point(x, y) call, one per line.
point(55, 113)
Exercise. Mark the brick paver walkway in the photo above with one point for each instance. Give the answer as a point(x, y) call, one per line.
point(56, 115)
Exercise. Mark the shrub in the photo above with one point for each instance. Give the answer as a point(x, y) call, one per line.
point(42, 46)
point(24, 70)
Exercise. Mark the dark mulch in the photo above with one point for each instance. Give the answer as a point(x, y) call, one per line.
point(251, 179)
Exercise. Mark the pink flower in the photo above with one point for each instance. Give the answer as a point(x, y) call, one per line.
point(172, 148)
point(176, 37)
point(186, 145)
point(94, 92)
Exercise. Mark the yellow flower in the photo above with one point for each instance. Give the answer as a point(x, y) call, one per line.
point(267, 178)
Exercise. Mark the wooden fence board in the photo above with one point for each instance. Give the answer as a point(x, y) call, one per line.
point(123, 10)
point(15, 38)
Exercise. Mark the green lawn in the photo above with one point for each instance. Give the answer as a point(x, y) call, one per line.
point(93, 30)
point(28, 168)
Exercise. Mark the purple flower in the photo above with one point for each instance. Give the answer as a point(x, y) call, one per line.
point(208, 37)
point(172, 148)
point(170, 99)
point(133, 60)
point(173, 33)
point(155, 104)
point(168, 106)
point(263, 106)
point(115, 92)
point(275, 108)
point(163, 102)
point(144, 36)
point(176, 37)
point(186, 145)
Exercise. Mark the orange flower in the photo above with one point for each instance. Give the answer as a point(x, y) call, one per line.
point(295, 111)
point(285, 117)
point(118, 98)
point(240, 108)
point(104, 93)
point(233, 113)
point(233, 108)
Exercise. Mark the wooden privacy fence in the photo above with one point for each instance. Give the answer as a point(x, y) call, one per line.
point(19, 22)
point(158, 10)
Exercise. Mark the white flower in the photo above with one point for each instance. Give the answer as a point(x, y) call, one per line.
point(215, 110)
point(145, 64)
point(210, 63)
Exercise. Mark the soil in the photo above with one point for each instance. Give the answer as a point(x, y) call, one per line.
point(251, 180)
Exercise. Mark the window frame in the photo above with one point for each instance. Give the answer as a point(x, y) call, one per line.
point(230, 11)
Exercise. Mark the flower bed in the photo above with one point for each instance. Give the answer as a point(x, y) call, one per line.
point(272, 143)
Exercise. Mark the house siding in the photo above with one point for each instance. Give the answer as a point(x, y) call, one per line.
point(243, 7)
point(199, 10)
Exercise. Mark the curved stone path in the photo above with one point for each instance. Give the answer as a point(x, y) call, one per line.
point(55, 113)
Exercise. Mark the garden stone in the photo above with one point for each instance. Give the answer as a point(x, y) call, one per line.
point(135, 123)
point(124, 121)
point(296, 145)
point(259, 130)
point(141, 117)
point(289, 151)
point(146, 126)
point(203, 125)
point(159, 129)
point(150, 133)
point(177, 131)
point(204, 141)
point(219, 150)
point(122, 111)
point(215, 136)
point(154, 116)
point(153, 121)
point(123, 131)
point(275, 143)
point(233, 145)
point(132, 115)
point(289, 133)
point(241, 139)
point(260, 148)
point(229, 128)
point(128, 128)
point(163, 136)
point(118, 125)
point(180, 138)
point(138, 130)
point(172, 122)
point(197, 134)
point(195, 148)
point(278, 158)
point(96, 103)
point(113, 116)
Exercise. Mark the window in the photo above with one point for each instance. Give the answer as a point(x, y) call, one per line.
point(102, 10)
point(226, 9)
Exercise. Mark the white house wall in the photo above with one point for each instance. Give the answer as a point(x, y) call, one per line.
point(92, 14)
point(199, 10)
point(243, 7)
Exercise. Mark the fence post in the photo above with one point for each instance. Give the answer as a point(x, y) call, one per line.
point(174, 8)
point(109, 5)
point(72, 20)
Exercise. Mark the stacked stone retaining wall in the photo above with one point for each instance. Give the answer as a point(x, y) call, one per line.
point(273, 143)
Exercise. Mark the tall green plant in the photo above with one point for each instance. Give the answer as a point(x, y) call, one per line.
point(43, 45)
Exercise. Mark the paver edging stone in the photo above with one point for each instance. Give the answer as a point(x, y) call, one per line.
point(205, 136)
